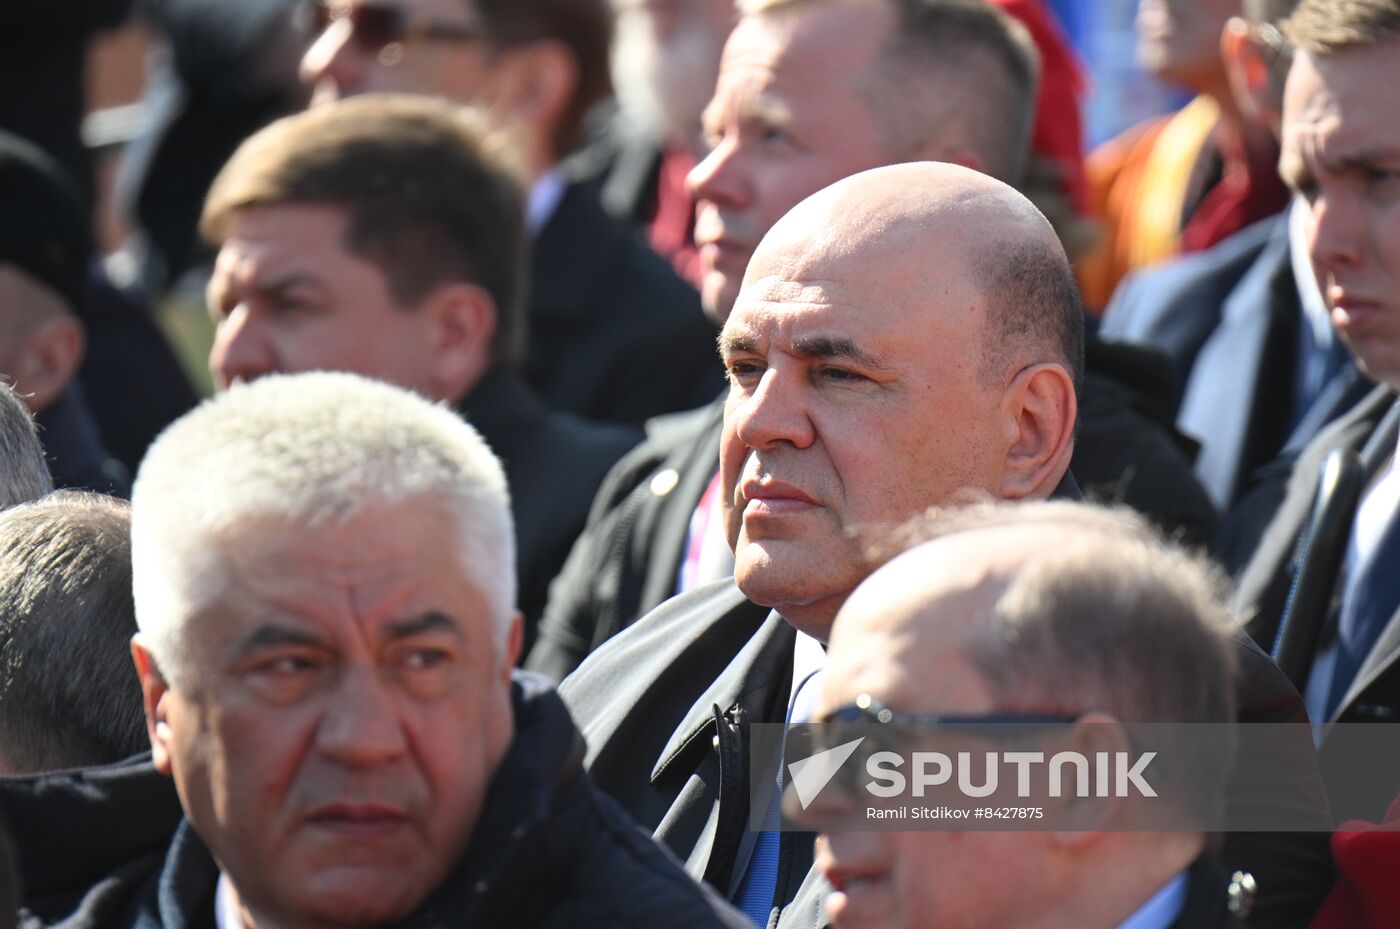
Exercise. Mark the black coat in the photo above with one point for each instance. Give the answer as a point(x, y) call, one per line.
point(614, 334)
point(548, 850)
point(665, 708)
point(554, 463)
point(626, 562)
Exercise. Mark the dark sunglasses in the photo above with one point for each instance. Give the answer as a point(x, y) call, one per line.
point(375, 26)
point(867, 709)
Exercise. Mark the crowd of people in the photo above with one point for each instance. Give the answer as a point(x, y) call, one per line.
point(601, 386)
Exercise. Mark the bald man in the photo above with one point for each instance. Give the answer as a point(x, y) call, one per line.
point(811, 91)
point(866, 384)
point(907, 337)
point(1046, 609)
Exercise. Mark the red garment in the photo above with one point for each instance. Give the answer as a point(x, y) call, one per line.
point(1367, 895)
point(671, 228)
point(1247, 192)
point(1059, 128)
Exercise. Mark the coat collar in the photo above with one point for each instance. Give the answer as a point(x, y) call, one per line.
point(765, 662)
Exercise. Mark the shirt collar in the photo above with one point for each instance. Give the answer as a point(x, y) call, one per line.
point(544, 200)
point(1162, 908)
point(226, 912)
point(1316, 318)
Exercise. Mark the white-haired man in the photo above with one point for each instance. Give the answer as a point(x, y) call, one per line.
point(327, 635)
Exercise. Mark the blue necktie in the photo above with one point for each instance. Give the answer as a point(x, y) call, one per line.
point(1370, 603)
point(755, 894)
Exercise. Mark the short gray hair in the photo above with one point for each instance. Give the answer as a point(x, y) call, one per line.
point(1112, 618)
point(318, 449)
point(69, 696)
point(24, 474)
point(1114, 615)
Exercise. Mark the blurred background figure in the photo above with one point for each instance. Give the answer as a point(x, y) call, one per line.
point(43, 70)
point(69, 695)
point(334, 255)
point(614, 334)
point(45, 252)
point(1183, 182)
point(217, 73)
point(665, 59)
point(1258, 368)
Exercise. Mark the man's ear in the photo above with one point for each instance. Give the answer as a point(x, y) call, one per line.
point(1081, 820)
point(1248, 73)
point(534, 83)
point(48, 361)
point(1042, 406)
point(156, 694)
point(463, 327)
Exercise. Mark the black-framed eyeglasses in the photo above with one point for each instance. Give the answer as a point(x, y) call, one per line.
point(376, 26)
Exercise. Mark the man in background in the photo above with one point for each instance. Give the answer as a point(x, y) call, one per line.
point(336, 254)
point(613, 333)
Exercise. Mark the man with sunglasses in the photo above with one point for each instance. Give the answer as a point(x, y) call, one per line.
point(906, 337)
point(1049, 611)
point(614, 333)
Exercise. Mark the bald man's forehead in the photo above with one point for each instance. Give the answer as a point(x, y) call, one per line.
point(778, 289)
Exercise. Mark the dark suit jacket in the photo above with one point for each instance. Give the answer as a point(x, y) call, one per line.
point(1362, 772)
point(1228, 318)
point(554, 463)
point(1284, 499)
point(627, 560)
point(614, 334)
point(1176, 305)
point(665, 708)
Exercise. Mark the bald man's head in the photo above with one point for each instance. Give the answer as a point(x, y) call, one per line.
point(1032, 609)
point(892, 348)
point(912, 226)
point(1064, 607)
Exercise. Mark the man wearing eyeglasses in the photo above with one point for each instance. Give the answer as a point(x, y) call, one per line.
point(614, 333)
point(1042, 611)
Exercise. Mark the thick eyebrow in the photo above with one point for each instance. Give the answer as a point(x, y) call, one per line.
point(734, 343)
point(431, 621)
point(820, 346)
point(217, 290)
point(273, 636)
point(286, 282)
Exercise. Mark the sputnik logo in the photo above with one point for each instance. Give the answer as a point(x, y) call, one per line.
point(814, 772)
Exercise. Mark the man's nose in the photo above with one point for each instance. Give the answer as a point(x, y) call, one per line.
point(774, 413)
point(241, 350)
point(1338, 226)
point(334, 65)
point(362, 725)
point(719, 178)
